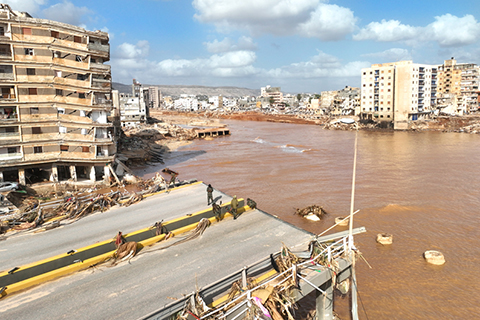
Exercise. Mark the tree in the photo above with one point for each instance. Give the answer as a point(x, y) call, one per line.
point(299, 97)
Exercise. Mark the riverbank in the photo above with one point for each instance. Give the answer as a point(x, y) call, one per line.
point(460, 124)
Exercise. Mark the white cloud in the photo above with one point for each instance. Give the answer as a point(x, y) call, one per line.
point(133, 51)
point(227, 64)
point(66, 12)
point(391, 30)
point(227, 44)
point(321, 65)
point(391, 55)
point(309, 18)
point(230, 68)
point(329, 22)
point(30, 6)
point(447, 30)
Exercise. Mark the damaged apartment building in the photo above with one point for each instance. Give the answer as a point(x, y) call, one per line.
point(133, 108)
point(55, 101)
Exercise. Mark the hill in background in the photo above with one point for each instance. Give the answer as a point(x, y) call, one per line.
point(177, 90)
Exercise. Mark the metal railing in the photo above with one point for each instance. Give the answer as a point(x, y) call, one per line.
point(240, 304)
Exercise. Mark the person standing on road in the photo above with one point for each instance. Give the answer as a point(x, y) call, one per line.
point(234, 205)
point(209, 194)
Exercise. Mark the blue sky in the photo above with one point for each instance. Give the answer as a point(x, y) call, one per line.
point(299, 45)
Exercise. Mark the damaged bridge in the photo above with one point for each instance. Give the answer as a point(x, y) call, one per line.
point(159, 281)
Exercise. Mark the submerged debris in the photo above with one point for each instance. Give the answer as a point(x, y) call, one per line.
point(313, 212)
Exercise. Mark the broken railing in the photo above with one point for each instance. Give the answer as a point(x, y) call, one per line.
point(324, 261)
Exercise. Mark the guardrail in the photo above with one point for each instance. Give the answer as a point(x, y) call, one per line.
point(265, 273)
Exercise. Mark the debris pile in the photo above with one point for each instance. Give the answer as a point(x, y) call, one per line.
point(313, 212)
point(272, 299)
point(32, 211)
point(144, 143)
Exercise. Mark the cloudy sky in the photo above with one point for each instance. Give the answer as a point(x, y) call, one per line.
point(299, 45)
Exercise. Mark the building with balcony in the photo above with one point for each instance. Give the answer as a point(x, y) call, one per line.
point(398, 92)
point(458, 86)
point(55, 100)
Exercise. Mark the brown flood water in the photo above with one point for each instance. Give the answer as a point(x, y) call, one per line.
point(424, 188)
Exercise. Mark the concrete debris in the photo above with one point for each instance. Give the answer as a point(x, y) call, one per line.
point(310, 212)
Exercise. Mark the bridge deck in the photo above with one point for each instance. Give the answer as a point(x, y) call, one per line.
point(155, 278)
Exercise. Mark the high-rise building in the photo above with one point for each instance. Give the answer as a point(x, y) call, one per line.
point(458, 86)
point(55, 100)
point(398, 92)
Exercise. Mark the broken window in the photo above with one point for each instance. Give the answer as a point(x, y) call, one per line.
point(34, 110)
point(2, 31)
point(29, 52)
point(85, 149)
point(92, 60)
point(36, 130)
point(77, 39)
point(55, 34)
point(27, 31)
point(81, 95)
point(58, 74)
point(82, 77)
point(62, 129)
point(30, 72)
point(58, 92)
point(37, 149)
point(32, 91)
point(63, 148)
point(78, 58)
point(12, 150)
point(61, 111)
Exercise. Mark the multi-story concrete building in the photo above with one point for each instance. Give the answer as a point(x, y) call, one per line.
point(54, 102)
point(154, 97)
point(458, 86)
point(273, 94)
point(398, 92)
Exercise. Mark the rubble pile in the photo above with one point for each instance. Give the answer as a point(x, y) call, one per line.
point(313, 210)
point(33, 211)
point(144, 143)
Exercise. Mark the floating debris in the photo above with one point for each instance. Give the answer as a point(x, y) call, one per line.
point(384, 238)
point(313, 212)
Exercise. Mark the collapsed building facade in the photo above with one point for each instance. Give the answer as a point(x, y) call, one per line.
point(55, 100)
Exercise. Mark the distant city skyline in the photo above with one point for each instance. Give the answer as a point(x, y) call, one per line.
point(300, 46)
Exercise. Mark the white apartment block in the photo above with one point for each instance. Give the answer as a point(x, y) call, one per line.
point(398, 92)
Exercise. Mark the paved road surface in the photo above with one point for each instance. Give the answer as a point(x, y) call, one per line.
point(27, 248)
point(154, 277)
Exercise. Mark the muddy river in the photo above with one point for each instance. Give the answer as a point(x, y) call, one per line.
point(424, 188)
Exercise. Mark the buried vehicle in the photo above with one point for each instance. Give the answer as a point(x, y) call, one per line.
point(8, 186)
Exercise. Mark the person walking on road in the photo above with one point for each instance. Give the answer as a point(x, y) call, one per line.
point(209, 194)
point(234, 205)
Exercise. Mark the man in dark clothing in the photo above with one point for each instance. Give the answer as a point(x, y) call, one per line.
point(209, 194)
